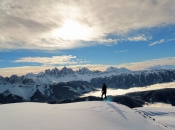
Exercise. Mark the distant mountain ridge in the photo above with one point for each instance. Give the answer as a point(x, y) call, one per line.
point(135, 79)
point(66, 70)
point(65, 83)
point(118, 70)
point(158, 67)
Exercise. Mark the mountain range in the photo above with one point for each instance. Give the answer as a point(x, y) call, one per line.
point(65, 84)
point(157, 67)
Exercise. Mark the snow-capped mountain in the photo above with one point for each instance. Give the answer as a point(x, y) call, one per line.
point(66, 83)
point(117, 70)
point(158, 67)
point(84, 71)
point(135, 79)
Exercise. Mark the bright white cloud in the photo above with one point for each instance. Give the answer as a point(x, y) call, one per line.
point(161, 41)
point(54, 60)
point(107, 40)
point(157, 42)
point(49, 25)
point(138, 38)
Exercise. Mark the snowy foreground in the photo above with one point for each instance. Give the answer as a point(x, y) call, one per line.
point(88, 115)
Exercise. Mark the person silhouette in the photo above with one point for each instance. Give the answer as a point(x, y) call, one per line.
point(104, 91)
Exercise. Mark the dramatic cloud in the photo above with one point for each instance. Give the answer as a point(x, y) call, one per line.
point(56, 24)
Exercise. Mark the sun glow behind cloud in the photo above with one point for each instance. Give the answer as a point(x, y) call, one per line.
point(72, 30)
point(68, 27)
point(57, 24)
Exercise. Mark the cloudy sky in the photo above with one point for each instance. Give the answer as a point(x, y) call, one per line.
point(39, 34)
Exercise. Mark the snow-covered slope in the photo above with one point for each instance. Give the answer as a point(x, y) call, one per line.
point(75, 116)
point(164, 115)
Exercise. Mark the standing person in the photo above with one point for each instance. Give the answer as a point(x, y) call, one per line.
point(104, 91)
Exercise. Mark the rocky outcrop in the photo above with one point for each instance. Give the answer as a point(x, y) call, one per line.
point(39, 97)
point(10, 98)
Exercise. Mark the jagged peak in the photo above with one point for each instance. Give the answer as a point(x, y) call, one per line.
point(55, 69)
point(66, 70)
point(124, 69)
point(30, 74)
point(83, 70)
point(118, 70)
point(14, 79)
point(14, 76)
point(111, 68)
